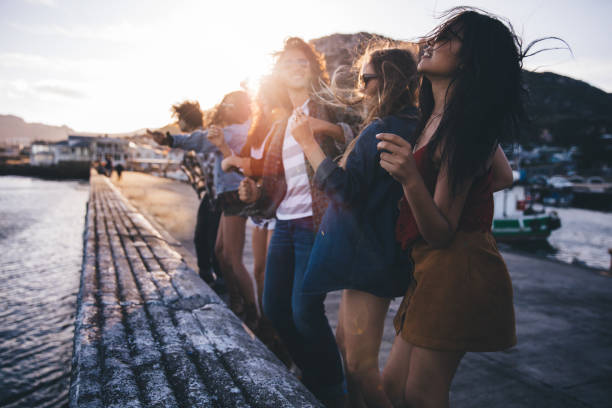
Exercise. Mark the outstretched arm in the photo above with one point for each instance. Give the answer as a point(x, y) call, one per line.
point(197, 141)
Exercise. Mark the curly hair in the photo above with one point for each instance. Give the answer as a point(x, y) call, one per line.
point(315, 59)
point(189, 112)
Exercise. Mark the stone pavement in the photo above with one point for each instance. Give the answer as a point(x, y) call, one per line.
point(150, 333)
point(564, 321)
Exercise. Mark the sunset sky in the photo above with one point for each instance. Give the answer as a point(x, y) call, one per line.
point(116, 66)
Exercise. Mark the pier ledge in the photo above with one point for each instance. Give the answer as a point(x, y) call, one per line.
point(150, 333)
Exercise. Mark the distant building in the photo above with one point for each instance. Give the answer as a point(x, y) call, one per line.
point(72, 150)
point(41, 154)
point(79, 149)
point(144, 157)
point(117, 149)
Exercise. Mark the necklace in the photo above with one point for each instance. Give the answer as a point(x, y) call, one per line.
point(429, 122)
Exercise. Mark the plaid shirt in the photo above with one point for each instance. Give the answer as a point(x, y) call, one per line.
point(274, 185)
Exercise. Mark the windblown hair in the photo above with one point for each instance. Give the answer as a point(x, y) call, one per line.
point(189, 112)
point(315, 59)
point(218, 114)
point(272, 103)
point(485, 101)
point(395, 67)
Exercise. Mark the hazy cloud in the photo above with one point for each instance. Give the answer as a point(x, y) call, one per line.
point(48, 3)
point(47, 89)
point(60, 90)
point(121, 32)
point(76, 67)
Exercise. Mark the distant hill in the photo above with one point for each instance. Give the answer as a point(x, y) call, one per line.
point(573, 111)
point(14, 130)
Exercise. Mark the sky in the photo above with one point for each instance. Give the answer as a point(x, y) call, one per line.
point(117, 66)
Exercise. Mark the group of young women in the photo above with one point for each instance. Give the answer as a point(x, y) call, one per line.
point(405, 211)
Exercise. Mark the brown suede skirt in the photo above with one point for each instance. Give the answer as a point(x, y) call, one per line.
point(460, 298)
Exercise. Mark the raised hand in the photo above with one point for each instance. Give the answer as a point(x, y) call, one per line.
point(158, 137)
point(215, 136)
point(300, 128)
point(248, 191)
point(396, 157)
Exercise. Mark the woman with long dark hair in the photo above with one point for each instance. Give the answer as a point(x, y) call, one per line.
point(461, 297)
point(355, 249)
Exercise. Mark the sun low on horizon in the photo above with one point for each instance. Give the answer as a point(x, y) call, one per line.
point(119, 66)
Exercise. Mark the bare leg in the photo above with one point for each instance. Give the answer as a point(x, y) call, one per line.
point(417, 377)
point(363, 319)
point(355, 399)
point(233, 246)
point(235, 300)
point(395, 373)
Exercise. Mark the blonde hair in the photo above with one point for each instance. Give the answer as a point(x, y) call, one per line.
point(395, 66)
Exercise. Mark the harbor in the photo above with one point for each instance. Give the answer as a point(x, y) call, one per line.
point(561, 313)
point(192, 217)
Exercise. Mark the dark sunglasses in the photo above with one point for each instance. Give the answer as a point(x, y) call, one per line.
point(300, 62)
point(365, 78)
point(447, 35)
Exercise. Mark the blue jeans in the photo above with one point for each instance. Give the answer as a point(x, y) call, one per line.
point(300, 319)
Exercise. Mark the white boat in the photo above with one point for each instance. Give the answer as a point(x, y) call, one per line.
point(517, 218)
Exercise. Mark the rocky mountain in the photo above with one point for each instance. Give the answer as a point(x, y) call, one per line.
point(572, 111)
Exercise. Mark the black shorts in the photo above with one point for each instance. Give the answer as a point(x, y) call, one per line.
point(230, 203)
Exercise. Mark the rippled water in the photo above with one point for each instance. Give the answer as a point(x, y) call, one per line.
point(41, 229)
point(584, 237)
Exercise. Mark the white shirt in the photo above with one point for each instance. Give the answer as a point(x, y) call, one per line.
point(297, 202)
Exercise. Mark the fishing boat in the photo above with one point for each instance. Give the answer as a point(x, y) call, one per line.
point(517, 218)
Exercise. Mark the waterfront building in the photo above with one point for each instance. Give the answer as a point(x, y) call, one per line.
point(41, 154)
point(79, 149)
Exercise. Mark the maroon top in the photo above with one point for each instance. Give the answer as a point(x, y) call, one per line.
point(477, 214)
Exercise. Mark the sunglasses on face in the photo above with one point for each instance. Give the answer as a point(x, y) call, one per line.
point(445, 36)
point(299, 62)
point(365, 78)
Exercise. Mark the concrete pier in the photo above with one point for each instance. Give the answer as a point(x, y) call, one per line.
point(157, 336)
point(150, 333)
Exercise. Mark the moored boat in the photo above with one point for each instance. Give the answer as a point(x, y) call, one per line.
point(516, 218)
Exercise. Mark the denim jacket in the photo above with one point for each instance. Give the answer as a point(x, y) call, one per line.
point(355, 247)
point(235, 137)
